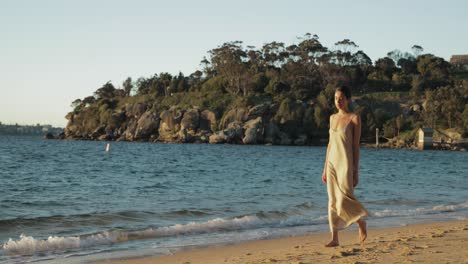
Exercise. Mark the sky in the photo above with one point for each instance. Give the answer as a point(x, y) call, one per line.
point(55, 51)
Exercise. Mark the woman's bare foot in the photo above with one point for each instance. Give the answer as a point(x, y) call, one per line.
point(332, 244)
point(362, 230)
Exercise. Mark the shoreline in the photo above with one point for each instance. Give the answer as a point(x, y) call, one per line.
point(365, 144)
point(423, 242)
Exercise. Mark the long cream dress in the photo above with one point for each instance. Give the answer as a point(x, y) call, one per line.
point(343, 207)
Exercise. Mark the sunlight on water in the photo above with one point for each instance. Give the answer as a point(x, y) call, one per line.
point(63, 199)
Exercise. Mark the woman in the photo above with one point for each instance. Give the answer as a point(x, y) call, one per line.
point(341, 169)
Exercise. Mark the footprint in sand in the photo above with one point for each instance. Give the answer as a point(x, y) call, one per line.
point(406, 239)
point(421, 247)
point(407, 252)
point(351, 252)
point(297, 262)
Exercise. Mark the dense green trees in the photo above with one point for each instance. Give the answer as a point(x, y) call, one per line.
point(300, 75)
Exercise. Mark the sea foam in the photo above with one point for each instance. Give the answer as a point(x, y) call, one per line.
point(27, 245)
point(421, 210)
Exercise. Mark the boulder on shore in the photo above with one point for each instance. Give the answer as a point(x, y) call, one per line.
point(253, 131)
point(234, 115)
point(170, 125)
point(147, 126)
point(207, 120)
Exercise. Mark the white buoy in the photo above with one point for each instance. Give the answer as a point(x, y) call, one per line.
point(108, 147)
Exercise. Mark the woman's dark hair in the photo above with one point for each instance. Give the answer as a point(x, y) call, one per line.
point(345, 90)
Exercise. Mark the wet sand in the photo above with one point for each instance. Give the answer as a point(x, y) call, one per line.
point(445, 242)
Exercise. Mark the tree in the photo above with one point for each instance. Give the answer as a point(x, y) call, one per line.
point(407, 65)
point(360, 58)
point(105, 92)
point(395, 55)
point(433, 72)
point(343, 55)
point(179, 84)
point(162, 85)
point(320, 117)
point(431, 109)
point(385, 66)
point(399, 123)
point(304, 80)
point(389, 128)
point(417, 50)
point(87, 101)
point(208, 69)
point(127, 86)
point(310, 49)
point(229, 60)
point(465, 118)
point(401, 81)
point(76, 105)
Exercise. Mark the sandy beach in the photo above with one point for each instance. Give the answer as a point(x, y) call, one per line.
point(444, 242)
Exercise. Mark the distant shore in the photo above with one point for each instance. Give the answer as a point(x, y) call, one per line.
point(366, 144)
point(443, 242)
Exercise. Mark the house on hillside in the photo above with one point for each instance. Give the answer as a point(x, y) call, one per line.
point(460, 61)
point(425, 138)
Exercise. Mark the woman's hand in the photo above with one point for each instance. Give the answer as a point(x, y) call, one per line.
point(355, 180)
point(324, 177)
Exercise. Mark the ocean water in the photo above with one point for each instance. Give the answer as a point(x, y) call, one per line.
point(73, 202)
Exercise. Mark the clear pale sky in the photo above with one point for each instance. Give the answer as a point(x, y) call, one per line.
point(55, 51)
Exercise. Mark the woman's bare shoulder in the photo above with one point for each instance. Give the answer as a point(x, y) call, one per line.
point(355, 118)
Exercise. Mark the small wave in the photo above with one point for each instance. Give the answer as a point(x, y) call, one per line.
point(421, 210)
point(158, 185)
point(27, 245)
point(397, 201)
point(186, 212)
point(272, 215)
point(305, 205)
point(80, 220)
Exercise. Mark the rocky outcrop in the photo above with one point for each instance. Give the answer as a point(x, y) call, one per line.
point(301, 140)
point(253, 131)
point(170, 125)
point(218, 138)
point(190, 121)
point(261, 110)
point(147, 126)
point(234, 115)
point(271, 133)
point(259, 124)
point(135, 110)
point(129, 132)
point(284, 139)
point(232, 134)
point(208, 121)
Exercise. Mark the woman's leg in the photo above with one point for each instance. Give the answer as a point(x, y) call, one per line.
point(362, 229)
point(334, 241)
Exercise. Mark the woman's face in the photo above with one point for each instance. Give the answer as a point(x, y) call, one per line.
point(341, 102)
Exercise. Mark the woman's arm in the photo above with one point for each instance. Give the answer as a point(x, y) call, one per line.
point(324, 173)
point(356, 120)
